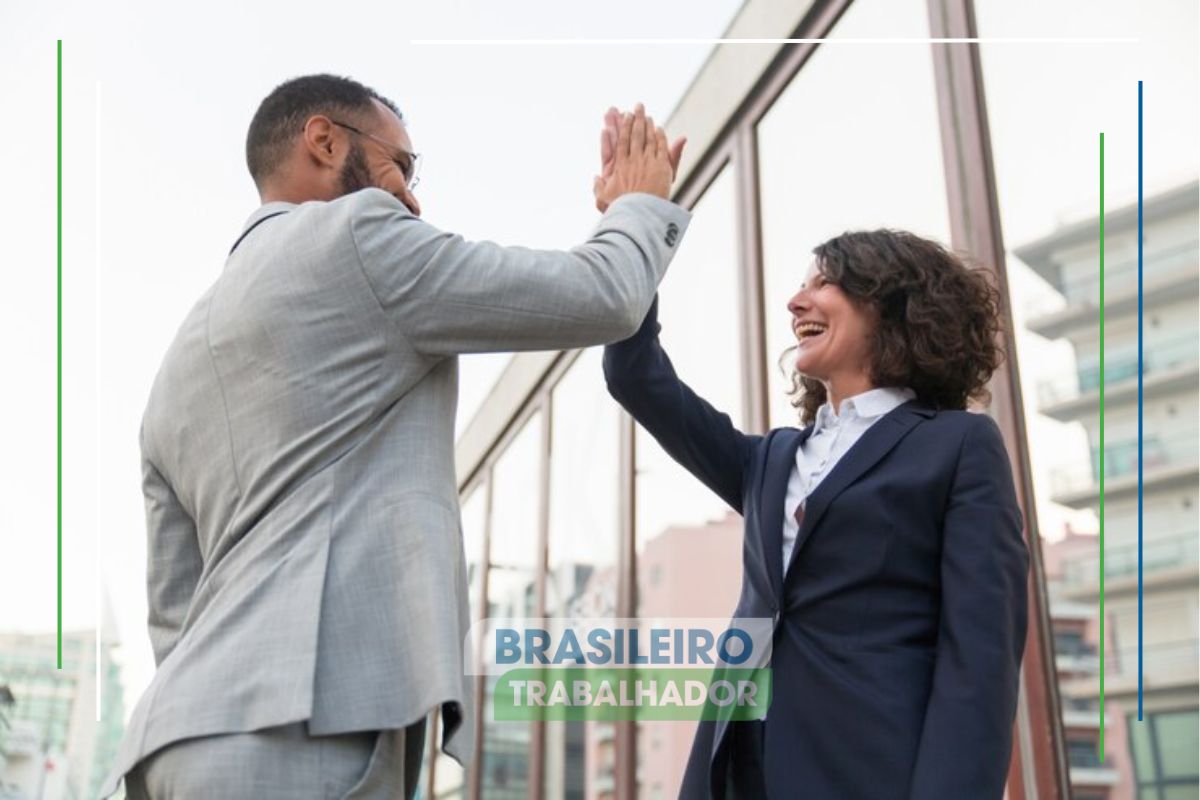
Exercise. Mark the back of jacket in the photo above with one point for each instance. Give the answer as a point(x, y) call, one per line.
point(305, 556)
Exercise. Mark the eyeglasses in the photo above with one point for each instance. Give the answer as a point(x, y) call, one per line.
point(410, 166)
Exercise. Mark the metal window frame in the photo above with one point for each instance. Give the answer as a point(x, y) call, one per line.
point(1038, 769)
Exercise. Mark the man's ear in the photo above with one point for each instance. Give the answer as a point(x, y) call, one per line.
point(319, 139)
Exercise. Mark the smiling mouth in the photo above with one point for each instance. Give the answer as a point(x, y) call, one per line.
point(807, 331)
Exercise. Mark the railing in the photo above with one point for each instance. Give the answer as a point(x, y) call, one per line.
point(1159, 450)
point(1158, 553)
point(1159, 660)
point(1118, 277)
point(1086, 757)
point(1121, 366)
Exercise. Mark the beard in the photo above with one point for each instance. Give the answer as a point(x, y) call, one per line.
point(354, 174)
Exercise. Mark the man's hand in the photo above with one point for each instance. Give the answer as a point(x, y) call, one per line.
point(634, 157)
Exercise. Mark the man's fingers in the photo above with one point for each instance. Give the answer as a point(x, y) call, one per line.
point(637, 143)
point(660, 145)
point(623, 135)
point(606, 149)
point(651, 139)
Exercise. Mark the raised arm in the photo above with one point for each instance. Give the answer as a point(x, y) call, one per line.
point(966, 740)
point(703, 440)
point(448, 295)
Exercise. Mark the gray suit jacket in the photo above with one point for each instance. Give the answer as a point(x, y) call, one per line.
point(305, 556)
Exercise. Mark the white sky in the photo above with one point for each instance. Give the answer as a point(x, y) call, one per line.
point(509, 138)
point(509, 141)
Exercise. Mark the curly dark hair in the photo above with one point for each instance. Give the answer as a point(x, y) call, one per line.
point(938, 319)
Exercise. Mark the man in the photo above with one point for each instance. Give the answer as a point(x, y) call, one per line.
point(307, 590)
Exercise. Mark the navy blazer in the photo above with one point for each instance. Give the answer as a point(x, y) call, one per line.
point(900, 623)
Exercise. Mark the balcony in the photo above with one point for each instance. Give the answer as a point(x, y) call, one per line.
point(1166, 665)
point(1082, 714)
point(1161, 554)
point(1167, 275)
point(1167, 459)
point(1080, 659)
point(1094, 776)
point(1165, 365)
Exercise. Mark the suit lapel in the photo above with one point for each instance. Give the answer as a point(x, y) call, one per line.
point(780, 458)
point(874, 444)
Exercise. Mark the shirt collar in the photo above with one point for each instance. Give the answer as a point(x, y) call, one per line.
point(866, 405)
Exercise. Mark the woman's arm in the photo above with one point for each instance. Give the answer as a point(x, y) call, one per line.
point(641, 378)
point(967, 736)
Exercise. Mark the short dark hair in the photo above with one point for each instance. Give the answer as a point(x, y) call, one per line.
point(938, 319)
point(282, 114)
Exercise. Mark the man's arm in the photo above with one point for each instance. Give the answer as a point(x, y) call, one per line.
point(173, 560)
point(448, 295)
point(642, 379)
point(967, 735)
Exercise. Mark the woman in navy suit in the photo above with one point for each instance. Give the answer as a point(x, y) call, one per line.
point(884, 537)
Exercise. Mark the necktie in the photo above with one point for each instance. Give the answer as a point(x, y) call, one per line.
point(799, 516)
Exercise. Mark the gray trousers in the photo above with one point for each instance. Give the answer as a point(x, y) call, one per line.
point(283, 763)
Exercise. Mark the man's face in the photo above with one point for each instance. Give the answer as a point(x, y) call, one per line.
point(379, 158)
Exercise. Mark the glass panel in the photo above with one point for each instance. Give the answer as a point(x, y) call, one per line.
point(449, 778)
point(688, 541)
point(1181, 792)
point(1178, 745)
point(582, 555)
point(1047, 106)
point(852, 143)
point(512, 593)
point(1142, 750)
point(477, 374)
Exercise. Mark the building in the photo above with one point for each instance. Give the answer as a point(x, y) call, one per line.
point(1068, 259)
point(1098, 753)
point(668, 592)
point(55, 748)
point(789, 144)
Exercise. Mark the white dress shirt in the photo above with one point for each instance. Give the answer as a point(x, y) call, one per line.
point(832, 436)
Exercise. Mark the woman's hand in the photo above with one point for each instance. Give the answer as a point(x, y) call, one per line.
point(634, 157)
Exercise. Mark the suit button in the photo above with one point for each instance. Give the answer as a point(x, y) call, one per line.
point(672, 234)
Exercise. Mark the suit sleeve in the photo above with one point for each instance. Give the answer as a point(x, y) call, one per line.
point(174, 563)
point(967, 736)
point(450, 296)
point(703, 440)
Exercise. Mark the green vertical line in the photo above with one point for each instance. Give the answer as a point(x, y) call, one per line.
point(1102, 646)
point(59, 378)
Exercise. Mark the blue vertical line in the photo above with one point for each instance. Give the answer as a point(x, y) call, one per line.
point(1139, 401)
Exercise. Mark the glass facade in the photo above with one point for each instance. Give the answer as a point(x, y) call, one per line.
point(595, 518)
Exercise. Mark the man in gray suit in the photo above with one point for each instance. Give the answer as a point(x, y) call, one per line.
point(306, 575)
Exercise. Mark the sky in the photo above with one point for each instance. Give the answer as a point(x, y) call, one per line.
point(157, 98)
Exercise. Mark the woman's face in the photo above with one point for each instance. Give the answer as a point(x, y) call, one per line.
point(833, 334)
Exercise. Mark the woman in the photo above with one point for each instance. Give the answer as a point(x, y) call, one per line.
point(884, 538)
